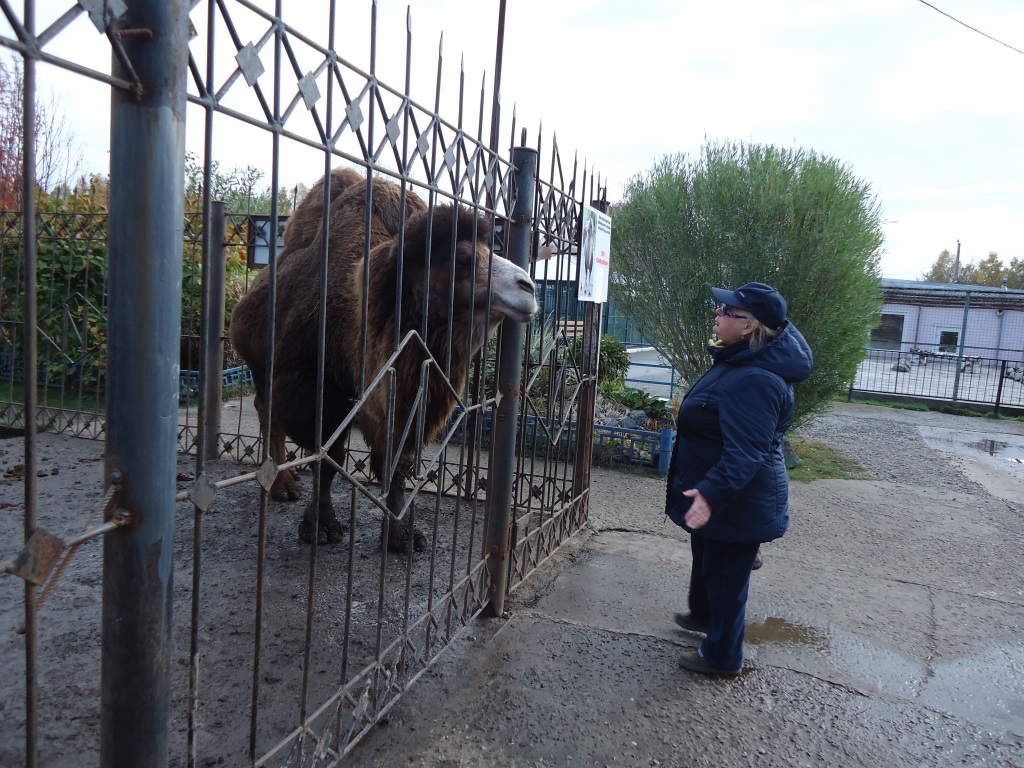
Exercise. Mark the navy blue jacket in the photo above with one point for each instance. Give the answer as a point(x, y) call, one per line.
point(729, 439)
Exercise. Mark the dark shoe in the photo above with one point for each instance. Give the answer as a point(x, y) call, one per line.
point(687, 622)
point(693, 661)
point(758, 561)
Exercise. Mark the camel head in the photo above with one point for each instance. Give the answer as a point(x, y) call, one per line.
point(512, 291)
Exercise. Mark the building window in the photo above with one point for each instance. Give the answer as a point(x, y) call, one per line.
point(948, 341)
point(889, 333)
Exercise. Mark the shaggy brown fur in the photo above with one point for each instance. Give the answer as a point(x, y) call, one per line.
point(302, 229)
point(423, 306)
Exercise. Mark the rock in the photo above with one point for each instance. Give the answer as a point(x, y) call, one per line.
point(792, 460)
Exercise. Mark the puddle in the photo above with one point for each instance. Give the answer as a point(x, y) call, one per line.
point(776, 630)
point(991, 447)
point(1005, 450)
point(999, 449)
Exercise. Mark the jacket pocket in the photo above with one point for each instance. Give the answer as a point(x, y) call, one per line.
point(677, 505)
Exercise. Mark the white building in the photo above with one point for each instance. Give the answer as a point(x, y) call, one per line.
point(950, 318)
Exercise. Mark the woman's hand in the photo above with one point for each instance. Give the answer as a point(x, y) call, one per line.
point(699, 512)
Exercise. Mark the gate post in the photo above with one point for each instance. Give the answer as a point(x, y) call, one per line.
point(211, 384)
point(144, 247)
point(497, 536)
point(588, 397)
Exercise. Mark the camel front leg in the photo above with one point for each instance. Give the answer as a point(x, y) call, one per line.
point(398, 535)
point(320, 520)
point(286, 484)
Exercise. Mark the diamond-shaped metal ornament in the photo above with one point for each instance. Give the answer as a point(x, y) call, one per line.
point(266, 474)
point(354, 115)
point(249, 62)
point(423, 144)
point(310, 93)
point(100, 11)
point(393, 129)
point(203, 492)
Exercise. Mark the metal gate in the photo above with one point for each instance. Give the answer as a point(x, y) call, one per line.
point(223, 637)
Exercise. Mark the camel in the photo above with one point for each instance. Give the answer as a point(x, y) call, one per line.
point(588, 256)
point(448, 277)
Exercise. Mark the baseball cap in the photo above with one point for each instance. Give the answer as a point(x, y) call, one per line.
point(762, 301)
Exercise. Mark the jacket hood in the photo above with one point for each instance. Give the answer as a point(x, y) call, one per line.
point(787, 355)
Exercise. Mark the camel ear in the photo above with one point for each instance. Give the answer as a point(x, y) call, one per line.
point(438, 225)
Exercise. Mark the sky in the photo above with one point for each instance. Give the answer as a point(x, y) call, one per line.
point(928, 112)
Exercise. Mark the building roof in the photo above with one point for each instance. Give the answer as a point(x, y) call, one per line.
point(920, 293)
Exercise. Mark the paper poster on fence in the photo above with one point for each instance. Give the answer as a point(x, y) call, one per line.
point(594, 253)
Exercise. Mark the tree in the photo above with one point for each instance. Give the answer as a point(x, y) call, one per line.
point(1015, 273)
point(792, 218)
point(58, 158)
point(238, 188)
point(943, 270)
point(990, 271)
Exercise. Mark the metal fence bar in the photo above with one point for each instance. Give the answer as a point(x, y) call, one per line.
point(31, 369)
point(213, 324)
point(146, 212)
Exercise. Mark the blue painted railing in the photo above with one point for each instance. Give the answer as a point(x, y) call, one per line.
point(188, 381)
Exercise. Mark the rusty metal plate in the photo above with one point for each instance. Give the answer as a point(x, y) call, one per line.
point(37, 560)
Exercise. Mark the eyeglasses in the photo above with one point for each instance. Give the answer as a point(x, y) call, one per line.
point(726, 310)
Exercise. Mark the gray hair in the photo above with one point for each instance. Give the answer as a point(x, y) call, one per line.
point(762, 335)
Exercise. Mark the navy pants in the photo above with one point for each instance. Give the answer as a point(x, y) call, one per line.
point(719, 581)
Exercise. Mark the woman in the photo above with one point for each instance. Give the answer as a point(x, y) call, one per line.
point(727, 483)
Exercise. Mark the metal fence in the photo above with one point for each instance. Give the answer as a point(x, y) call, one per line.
point(927, 374)
point(222, 638)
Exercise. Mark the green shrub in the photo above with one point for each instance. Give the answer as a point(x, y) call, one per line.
point(658, 409)
point(612, 360)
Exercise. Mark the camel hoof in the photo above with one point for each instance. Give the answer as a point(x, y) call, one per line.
point(326, 533)
point(281, 494)
point(331, 533)
point(400, 544)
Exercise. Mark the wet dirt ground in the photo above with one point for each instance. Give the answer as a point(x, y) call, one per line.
point(885, 629)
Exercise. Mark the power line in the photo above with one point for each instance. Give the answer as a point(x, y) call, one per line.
point(973, 29)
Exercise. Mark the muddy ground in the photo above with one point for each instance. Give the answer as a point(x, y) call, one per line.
point(885, 628)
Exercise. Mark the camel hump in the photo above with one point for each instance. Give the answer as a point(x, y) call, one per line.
point(304, 223)
point(439, 226)
point(386, 206)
